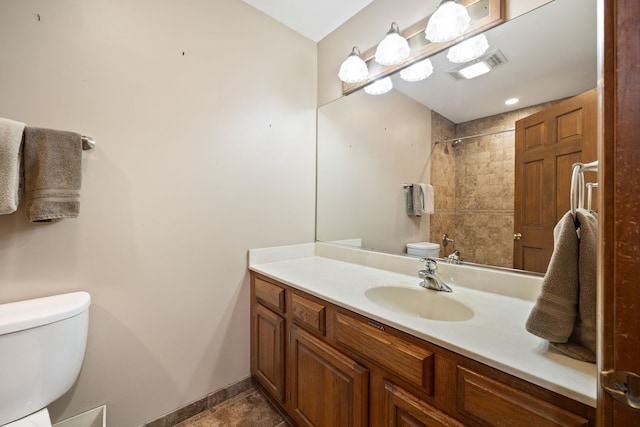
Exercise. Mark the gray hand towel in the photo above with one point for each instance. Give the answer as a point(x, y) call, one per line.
point(52, 173)
point(10, 155)
point(409, 199)
point(418, 208)
point(564, 312)
point(555, 311)
point(582, 342)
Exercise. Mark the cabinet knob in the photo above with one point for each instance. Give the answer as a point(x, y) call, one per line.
point(517, 236)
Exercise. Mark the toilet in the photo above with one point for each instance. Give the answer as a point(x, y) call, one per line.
point(424, 249)
point(42, 345)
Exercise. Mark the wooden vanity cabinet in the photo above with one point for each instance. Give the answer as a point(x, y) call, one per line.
point(268, 335)
point(327, 366)
point(327, 387)
point(485, 400)
point(402, 408)
point(313, 382)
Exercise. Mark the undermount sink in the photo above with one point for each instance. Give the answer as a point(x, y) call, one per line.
point(420, 302)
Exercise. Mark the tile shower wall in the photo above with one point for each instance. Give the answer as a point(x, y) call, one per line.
point(474, 186)
point(443, 179)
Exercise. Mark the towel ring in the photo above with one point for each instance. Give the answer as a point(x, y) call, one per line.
point(590, 187)
point(577, 189)
point(577, 185)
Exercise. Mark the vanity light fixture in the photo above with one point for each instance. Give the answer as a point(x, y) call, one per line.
point(353, 69)
point(449, 21)
point(418, 71)
point(379, 87)
point(393, 49)
point(511, 101)
point(468, 50)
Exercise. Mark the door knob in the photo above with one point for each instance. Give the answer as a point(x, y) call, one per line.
point(517, 236)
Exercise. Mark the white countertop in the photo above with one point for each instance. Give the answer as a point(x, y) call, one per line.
point(495, 336)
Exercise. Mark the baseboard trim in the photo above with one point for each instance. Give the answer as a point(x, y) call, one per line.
point(96, 417)
point(200, 405)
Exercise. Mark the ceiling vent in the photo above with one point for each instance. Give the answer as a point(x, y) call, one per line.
point(490, 60)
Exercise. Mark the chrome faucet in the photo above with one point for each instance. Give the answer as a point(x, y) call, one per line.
point(429, 278)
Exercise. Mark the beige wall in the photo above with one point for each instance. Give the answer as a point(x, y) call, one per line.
point(368, 146)
point(367, 28)
point(204, 117)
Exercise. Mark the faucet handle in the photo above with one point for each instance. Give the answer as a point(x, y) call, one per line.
point(431, 264)
point(454, 258)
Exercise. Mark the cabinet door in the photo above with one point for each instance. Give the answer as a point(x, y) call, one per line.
point(327, 387)
point(403, 409)
point(268, 349)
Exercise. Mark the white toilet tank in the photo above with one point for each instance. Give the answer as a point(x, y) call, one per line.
point(423, 249)
point(42, 344)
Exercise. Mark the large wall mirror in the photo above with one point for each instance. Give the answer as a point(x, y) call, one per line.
point(369, 146)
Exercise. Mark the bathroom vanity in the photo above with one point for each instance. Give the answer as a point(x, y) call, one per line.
point(343, 337)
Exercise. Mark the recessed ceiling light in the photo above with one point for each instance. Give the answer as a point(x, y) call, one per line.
point(475, 70)
point(511, 101)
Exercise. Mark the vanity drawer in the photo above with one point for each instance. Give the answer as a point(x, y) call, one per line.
point(269, 294)
point(493, 403)
point(410, 362)
point(308, 314)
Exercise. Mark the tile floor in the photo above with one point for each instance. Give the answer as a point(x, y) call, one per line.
point(247, 409)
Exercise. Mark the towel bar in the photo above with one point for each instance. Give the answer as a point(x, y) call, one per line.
point(88, 143)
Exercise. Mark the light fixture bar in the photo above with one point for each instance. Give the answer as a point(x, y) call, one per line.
point(485, 14)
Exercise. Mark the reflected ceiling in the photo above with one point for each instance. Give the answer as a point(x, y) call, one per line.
point(555, 54)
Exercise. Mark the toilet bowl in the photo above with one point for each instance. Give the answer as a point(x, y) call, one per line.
point(42, 345)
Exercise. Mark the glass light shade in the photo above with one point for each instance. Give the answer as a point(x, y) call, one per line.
point(418, 71)
point(449, 21)
point(393, 49)
point(353, 69)
point(379, 87)
point(468, 50)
